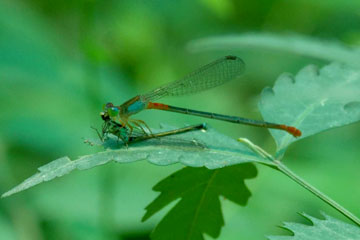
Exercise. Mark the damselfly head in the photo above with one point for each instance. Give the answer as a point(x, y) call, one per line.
point(110, 110)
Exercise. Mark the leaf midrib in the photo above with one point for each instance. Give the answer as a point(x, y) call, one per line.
point(197, 211)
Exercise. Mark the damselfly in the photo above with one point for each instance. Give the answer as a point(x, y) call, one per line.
point(206, 77)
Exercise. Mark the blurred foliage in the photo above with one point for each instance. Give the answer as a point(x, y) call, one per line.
point(60, 61)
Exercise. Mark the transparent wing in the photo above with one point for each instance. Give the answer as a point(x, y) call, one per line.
point(206, 77)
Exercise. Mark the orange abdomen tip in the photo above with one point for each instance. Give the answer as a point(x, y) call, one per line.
point(292, 130)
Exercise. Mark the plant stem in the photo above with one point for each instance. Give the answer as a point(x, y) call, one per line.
point(285, 170)
point(277, 164)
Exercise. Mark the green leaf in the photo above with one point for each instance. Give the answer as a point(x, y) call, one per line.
point(329, 228)
point(313, 101)
point(303, 45)
point(198, 148)
point(199, 209)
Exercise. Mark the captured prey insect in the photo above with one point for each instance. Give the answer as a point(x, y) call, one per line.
point(206, 77)
point(121, 132)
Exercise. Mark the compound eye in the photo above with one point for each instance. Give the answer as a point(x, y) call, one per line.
point(113, 111)
point(106, 106)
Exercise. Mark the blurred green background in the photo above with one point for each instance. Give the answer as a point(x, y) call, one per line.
point(61, 60)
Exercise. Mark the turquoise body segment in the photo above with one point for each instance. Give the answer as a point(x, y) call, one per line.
point(136, 107)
